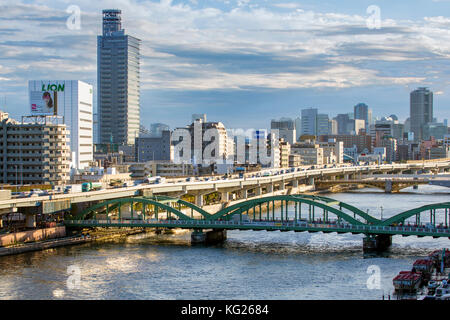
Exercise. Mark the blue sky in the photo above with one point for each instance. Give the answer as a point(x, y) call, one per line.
point(243, 62)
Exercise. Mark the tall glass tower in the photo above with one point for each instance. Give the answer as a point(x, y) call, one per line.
point(362, 112)
point(421, 110)
point(118, 82)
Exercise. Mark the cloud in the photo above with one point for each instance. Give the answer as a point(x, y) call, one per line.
point(225, 45)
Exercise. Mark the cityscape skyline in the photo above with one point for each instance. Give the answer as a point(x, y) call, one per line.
point(237, 82)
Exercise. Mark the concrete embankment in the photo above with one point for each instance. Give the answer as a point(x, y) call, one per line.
point(95, 235)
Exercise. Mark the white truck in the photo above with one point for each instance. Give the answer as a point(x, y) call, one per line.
point(73, 188)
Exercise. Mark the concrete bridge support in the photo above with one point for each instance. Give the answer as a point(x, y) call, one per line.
point(377, 243)
point(388, 186)
point(258, 191)
point(30, 221)
point(270, 188)
point(244, 194)
point(225, 196)
point(311, 181)
point(210, 237)
point(199, 201)
point(295, 183)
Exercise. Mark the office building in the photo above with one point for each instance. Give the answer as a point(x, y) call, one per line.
point(358, 125)
point(344, 124)
point(298, 128)
point(433, 129)
point(118, 80)
point(286, 129)
point(72, 100)
point(154, 148)
point(421, 111)
point(363, 142)
point(323, 125)
point(309, 122)
point(310, 153)
point(362, 112)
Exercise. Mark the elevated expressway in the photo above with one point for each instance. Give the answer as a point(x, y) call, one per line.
point(260, 186)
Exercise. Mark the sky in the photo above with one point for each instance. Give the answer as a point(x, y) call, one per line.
point(242, 62)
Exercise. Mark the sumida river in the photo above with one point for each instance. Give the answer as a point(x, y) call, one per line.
point(249, 265)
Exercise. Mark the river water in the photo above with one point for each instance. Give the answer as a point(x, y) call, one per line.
point(249, 265)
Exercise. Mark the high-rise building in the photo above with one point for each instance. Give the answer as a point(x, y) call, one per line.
point(362, 112)
point(298, 127)
point(72, 100)
point(286, 129)
point(309, 121)
point(322, 126)
point(344, 123)
point(118, 82)
point(421, 110)
point(332, 126)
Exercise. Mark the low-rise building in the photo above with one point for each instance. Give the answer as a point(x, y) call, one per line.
point(310, 153)
point(155, 148)
point(143, 170)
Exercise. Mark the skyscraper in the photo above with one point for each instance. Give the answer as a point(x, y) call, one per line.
point(118, 82)
point(309, 121)
point(362, 112)
point(421, 110)
point(322, 124)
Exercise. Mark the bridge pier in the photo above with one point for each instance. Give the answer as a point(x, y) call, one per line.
point(225, 196)
point(377, 243)
point(259, 191)
point(30, 221)
point(388, 186)
point(210, 237)
point(295, 183)
point(269, 188)
point(199, 200)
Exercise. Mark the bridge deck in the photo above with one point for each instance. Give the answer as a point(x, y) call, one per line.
point(268, 225)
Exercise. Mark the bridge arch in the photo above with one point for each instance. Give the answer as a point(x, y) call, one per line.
point(241, 207)
point(117, 203)
point(416, 211)
point(341, 204)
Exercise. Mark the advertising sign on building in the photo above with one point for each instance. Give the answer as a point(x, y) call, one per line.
point(44, 102)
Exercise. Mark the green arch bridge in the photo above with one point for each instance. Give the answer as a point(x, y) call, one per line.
point(299, 213)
